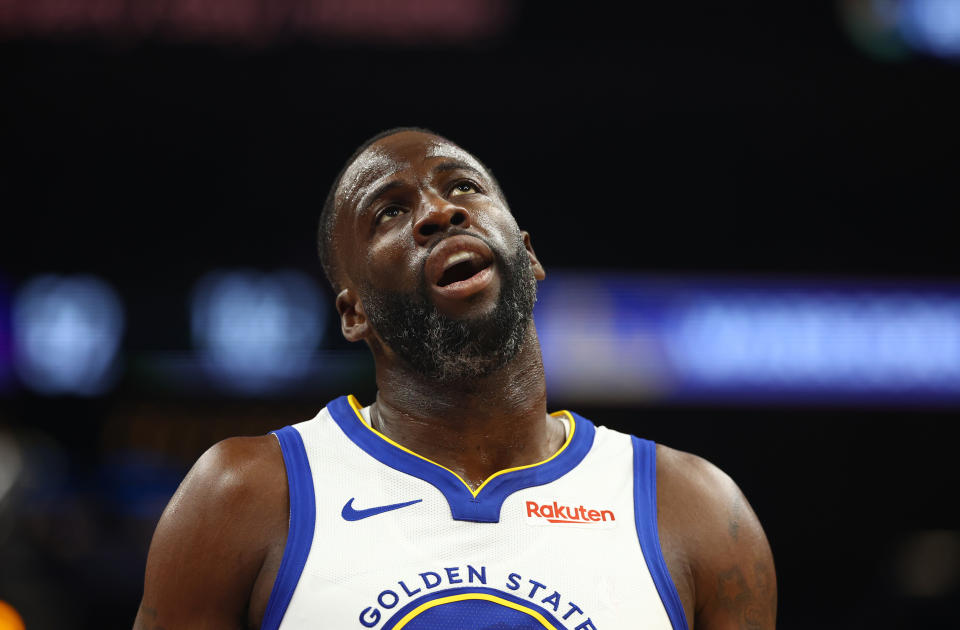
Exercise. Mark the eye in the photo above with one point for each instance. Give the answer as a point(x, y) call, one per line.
point(463, 188)
point(389, 213)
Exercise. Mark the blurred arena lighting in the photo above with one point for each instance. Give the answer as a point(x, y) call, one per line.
point(138, 483)
point(932, 26)
point(416, 22)
point(889, 30)
point(625, 339)
point(66, 334)
point(6, 343)
point(11, 463)
point(9, 617)
point(928, 563)
point(873, 25)
point(256, 332)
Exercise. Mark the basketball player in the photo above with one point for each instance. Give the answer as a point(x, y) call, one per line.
point(454, 500)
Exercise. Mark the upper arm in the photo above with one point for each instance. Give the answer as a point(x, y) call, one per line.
point(719, 551)
point(210, 544)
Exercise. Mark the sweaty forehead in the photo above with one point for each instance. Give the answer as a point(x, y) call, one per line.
point(393, 154)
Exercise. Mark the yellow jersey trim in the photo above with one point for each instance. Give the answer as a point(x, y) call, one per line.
point(456, 598)
point(355, 404)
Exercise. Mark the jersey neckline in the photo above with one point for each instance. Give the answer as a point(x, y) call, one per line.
point(482, 505)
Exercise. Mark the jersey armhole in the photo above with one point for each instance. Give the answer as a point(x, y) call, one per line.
point(645, 514)
point(303, 516)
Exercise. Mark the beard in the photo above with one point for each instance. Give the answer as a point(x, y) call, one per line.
point(449, 350)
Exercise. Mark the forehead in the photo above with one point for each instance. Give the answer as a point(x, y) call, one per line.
point(396, 153)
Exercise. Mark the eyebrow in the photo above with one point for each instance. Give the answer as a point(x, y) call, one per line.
point(382, 189)
point(378, 192)
point(453, 165)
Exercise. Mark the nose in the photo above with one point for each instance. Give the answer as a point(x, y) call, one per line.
point(438, 214)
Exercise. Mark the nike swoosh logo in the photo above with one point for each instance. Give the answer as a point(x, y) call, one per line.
point(350, 514)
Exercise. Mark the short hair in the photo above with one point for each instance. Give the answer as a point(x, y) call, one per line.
point(329, 213)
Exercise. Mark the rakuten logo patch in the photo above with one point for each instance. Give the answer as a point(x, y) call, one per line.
point(576, 514)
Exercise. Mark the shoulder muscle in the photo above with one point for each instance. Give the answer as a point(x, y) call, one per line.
point(717, 544)
point(210, 543)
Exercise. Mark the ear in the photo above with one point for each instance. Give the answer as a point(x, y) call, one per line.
point(353, 321)
point(538, 271)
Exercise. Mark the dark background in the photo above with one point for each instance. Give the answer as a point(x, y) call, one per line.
point(755, 139)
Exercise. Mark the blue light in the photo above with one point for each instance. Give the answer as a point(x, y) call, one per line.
point(889, 29)
point(932, 26)
point(256, 332)
point(66, 334)
point(6, 341)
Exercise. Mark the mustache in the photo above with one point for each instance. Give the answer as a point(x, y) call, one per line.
point(498, 256)
point(455, 231)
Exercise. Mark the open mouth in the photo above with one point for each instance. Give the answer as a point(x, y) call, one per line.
point(462, 266)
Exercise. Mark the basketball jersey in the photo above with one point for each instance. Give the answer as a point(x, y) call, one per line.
point(380, 537)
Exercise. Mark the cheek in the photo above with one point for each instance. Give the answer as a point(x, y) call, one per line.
point(501, 227)
point(391, 264)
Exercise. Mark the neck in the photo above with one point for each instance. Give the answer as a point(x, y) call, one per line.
point(474, 428)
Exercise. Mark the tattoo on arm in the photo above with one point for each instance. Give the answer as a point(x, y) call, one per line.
point(749, 599)
point(734, 525)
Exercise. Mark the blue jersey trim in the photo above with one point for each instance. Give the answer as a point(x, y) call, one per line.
point(485, 507)
point(645, 514)
point(303, 517)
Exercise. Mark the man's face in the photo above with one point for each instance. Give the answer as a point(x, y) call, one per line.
point(446, 278)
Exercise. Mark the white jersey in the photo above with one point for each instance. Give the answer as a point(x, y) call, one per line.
point(383, 538)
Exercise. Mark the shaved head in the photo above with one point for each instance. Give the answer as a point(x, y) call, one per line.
point(359, 175)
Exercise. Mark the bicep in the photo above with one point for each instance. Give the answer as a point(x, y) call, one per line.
point(735, 578)
point(737, 586)
point(719, 549)
point(207, 549)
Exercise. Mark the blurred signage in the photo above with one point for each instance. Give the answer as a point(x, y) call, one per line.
point(6, 343)
point(622, 338)
point(373, 21)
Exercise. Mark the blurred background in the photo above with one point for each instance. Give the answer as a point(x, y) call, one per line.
point(747, 215)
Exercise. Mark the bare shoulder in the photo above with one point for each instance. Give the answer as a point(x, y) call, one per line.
point(225, 522)
point(234, 479)
point(714, 544)
point(236, 467)
point(693, 488)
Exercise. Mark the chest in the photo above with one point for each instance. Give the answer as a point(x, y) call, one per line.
point(393, 545)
